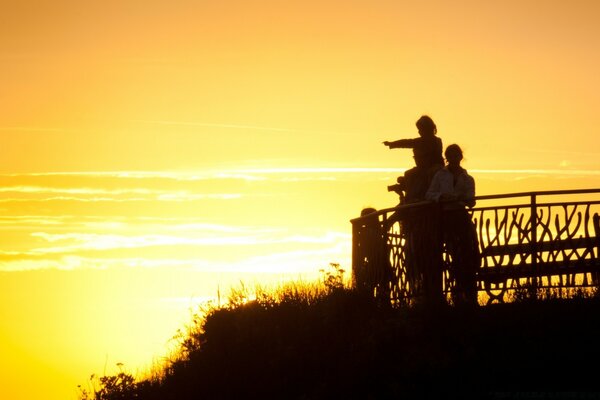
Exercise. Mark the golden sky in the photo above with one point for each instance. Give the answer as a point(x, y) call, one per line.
point(154, 150)
point(188, 84)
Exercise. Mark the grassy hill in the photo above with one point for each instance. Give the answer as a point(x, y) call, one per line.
point(326, 341)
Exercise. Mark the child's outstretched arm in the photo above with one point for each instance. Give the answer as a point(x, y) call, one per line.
point(401, 144)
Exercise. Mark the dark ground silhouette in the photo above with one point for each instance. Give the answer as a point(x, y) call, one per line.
point(345, 346)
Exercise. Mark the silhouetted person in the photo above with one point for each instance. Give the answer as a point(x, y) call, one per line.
point(427, 152)
point(376, 270)
point(455, 189)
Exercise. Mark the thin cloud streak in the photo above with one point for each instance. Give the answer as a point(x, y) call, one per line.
point(142, 175)
point(70, 198)
point(276, 262)
point(181, 224)
point(83, 190)
point(169, 197)
point(564, 152)
point(241, 126)
point(218, 125)
point(73, 262)
point(334, 245)
point(99, 241)
point(165, 198)
point(34, 220)
point(249, 173)
point(570, 172)
point(152, 194)
point(295, 261)
point(103, 242)
point(30, 129)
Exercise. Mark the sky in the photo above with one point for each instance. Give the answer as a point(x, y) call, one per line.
point(156, 153)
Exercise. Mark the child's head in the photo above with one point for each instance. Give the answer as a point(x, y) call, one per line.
point(426, 126)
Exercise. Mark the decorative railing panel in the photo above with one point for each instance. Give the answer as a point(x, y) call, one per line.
point(558, 247)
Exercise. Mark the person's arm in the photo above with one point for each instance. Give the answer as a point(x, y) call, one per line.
point(401, 144)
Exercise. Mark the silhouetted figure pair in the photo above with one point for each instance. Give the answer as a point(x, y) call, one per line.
point(419, 226)
point(454, 188)
point(428, 229)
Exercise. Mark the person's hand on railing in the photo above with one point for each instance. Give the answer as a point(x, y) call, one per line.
point(453, 197)
point(448, 197)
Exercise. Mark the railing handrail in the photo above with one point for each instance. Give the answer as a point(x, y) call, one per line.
point(536, 193)
point(533, 194)
point(390, 209)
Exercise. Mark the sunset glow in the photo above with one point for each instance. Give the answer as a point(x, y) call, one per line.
point(157, 153)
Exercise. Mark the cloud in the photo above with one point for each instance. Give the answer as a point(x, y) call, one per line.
point(266, 248)
point(100, 241)
point(30, 129)
point(259, 174)
point(538, 172)
point(218, 125)
point(302, 260)
point(184, 176)
point(319, 170)
point(270, 261)
point(73, 262)
point(23, 220)
point(97, 241)
point(68, 198)
point(595, 155)
point(83, 192)
point(166, 224)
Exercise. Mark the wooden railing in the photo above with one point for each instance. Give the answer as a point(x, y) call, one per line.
point(398, 253)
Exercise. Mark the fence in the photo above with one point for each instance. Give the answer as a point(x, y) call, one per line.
point(528, 240)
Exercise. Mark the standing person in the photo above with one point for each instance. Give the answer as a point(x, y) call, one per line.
point(455, 189)
point(374, 273)
point(427, 152)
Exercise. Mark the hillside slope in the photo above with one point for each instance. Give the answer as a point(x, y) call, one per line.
point(340, 345)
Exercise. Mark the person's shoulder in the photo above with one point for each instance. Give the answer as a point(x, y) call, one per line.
point(467, 175)
point(442, 172)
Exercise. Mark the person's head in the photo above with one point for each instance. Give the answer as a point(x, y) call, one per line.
point(426, 126)
point(367, 211)
point(372, 219)
point(453, 154)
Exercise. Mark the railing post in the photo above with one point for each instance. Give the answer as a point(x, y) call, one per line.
point(355, 256)
point(534, 246)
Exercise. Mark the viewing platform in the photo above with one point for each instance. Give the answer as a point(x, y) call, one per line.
point(530, 241)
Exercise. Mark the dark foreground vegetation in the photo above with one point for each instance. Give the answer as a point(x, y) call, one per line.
point(328, 342)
